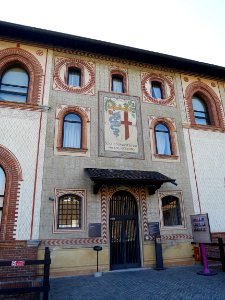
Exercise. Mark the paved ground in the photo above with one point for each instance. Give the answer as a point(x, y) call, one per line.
point(172, 283)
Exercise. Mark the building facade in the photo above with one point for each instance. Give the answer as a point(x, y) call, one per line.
point(23, 109)
point(115, 142)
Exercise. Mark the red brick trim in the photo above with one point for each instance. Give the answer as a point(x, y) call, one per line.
point(106, 193)
point(13, 173)
point(172, 237)
point(212, 102)
point(61, 83)
point(85, 120)
point(171, 129)
point(164, 81)
point(12, 56)
point(121, 73)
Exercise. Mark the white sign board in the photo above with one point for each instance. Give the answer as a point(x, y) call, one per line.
point(200, 228)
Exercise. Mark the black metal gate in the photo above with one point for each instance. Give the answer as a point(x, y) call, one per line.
point(124, 231)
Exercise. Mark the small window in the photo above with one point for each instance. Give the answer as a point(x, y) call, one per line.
point(200, 111)
point(72, 131)
point(69, 212)
point(14, 85)
point(74, 77)
point(171, 211)
point(163, 143)
point(157, 90)
point(117, 84)
point(2, 190)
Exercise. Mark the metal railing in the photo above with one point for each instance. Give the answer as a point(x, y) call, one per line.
point(44, 283)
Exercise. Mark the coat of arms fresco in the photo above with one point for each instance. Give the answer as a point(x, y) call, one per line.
point(121, 127)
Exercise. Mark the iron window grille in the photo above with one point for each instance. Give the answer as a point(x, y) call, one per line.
point(171, 211)
point(69, 212)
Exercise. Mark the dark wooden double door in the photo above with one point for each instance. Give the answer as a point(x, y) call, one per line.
point(124, 231)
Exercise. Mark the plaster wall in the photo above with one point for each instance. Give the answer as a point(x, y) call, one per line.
point(19, 133)
point(207, 157)
point(66, 171)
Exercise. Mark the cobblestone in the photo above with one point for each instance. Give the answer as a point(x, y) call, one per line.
point(172, 283)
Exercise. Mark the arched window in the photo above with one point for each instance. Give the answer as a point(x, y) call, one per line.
point(157, 90)
point(171, 211)
point(14, 85)
point(74, 77)
point(117, 83)
point(162, 137)
point(69, 212)
point(2, 190)
point(72, 131)
point(200, 111)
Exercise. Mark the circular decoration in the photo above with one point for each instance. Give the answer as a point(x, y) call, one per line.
point(83, 65)
point(186, 79)
point(166, 84)
point(39, 52)
point(213, 84)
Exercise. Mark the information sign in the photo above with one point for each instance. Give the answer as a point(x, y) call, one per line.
point(94, 230)
point(200, 228)
point(153, 228)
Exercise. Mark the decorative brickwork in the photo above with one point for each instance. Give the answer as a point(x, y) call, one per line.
point(85, 119)
point(87, 73)
point(13, 173)
point(172, 237)
point(144, 211)
point(166, 83)
point(16, 56)
point(214, 105)
point(106, 194)
point(112, 59)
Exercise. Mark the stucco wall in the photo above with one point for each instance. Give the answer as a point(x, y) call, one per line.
point(209, 163)
point(67, 171)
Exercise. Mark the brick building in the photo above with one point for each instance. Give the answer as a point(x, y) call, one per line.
point(114, 140)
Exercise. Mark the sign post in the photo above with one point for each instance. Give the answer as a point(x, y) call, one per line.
point(97, 249)
point(154, 230)
point(201, 234)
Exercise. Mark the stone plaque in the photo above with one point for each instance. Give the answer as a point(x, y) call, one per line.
point(94, 230)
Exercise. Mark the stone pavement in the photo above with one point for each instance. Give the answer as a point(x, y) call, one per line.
point(172, 283)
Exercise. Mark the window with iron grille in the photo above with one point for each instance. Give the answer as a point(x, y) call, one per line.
point(171, 211)
point(69, 212)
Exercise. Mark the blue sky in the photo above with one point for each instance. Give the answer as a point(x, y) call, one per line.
point(194, 29)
